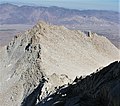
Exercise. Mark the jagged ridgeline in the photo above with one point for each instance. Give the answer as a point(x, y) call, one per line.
point(46, 57)
point(98, 89)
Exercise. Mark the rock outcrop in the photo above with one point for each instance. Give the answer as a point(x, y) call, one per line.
point(53, 53)
point(98, 89)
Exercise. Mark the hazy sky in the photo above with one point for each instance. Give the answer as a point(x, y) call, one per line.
point(75, 4)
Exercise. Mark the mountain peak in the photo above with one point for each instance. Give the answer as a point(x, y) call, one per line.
point(41, 25)
point(7, 5)
point(44, 50)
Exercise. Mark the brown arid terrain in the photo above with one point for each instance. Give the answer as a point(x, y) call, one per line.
point(36, 64)
point(13, 18)
point(8, 31)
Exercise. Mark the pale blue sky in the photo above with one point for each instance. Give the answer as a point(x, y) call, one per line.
point(75, 4)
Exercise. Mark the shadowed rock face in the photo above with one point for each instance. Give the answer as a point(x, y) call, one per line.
point(98, 89)
point(32, 98)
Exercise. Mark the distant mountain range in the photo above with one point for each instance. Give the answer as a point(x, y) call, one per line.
point(13, 14)
point(99, 21)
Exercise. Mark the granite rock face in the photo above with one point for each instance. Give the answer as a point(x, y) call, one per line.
point(45, 58)
point(20, 68)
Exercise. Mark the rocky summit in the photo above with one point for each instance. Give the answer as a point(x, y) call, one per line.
point(38, 63)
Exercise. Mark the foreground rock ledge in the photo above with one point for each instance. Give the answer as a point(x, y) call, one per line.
point(98, 89)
